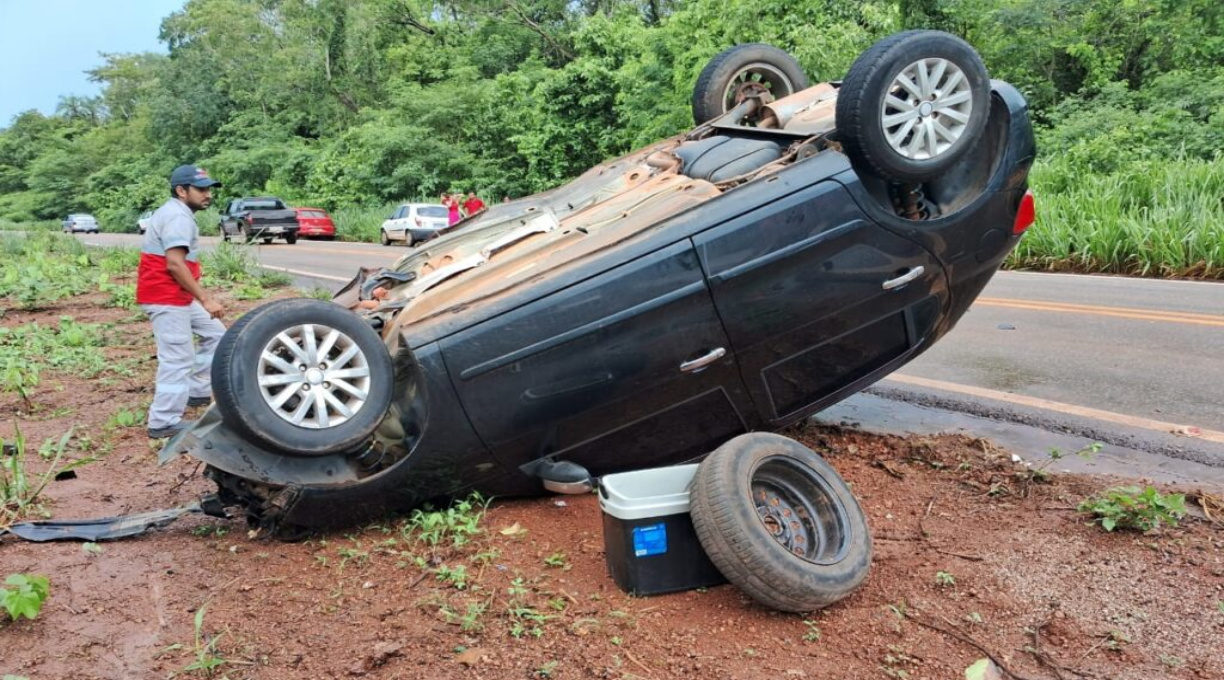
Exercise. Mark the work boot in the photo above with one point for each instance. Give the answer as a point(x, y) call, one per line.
point(193, 402)
point(167, 431)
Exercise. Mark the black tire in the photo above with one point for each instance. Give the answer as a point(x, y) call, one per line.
point(744, 67)
point(724, 499)
point(291, 238)
point(267, 240)
point(876, 74)
point(244, 404)
point(383, 238)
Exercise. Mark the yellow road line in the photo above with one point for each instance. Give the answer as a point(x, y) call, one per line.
point(1118, 312)
point(1060, 407)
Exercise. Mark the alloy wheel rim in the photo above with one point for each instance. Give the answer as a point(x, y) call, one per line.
point(927, 109)
point(313, 376)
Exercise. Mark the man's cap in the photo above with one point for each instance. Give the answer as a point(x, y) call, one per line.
point(190, 174)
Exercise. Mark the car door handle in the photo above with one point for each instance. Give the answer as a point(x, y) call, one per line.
point(904, 278)
point(701, 362)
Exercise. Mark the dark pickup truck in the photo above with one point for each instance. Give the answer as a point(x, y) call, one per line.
point(264, 218)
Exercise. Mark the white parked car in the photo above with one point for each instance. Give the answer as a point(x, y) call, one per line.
point(80, 222)
point(413, 223)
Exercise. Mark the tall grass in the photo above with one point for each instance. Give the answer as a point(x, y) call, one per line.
point(361, 223)
point(43, 225)
point(1158, 219)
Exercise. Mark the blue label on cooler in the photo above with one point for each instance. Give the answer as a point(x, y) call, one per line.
point(651, 540)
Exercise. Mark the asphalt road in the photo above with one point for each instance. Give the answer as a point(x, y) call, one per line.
point(1092, 353)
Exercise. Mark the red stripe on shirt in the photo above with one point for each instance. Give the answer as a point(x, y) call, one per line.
point(155, 285)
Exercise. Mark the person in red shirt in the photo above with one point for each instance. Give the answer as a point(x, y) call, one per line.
point(168, 290)
point(473, 204)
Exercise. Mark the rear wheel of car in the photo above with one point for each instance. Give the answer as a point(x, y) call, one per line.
point(267, 240)
point(780, 523)
point(291, 238)
point(304, 377)
point(912, 105)
point(744, 70)
point(383, 238)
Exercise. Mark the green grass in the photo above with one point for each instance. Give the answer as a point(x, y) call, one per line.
point(1161, 220)
point(360, 223)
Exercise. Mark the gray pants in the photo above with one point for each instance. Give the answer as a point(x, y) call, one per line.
point(182, 370)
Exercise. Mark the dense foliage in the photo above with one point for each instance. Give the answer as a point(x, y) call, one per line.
point(347, 104)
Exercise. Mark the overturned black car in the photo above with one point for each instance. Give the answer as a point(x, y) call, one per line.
point(797, 245)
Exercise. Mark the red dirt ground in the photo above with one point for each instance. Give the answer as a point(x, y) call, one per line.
point(1037, 587)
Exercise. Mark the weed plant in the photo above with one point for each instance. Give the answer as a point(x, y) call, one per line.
point(1132, 508)
point(24, 594)
point(20, 488)
point(68, 347)
point(454, 526)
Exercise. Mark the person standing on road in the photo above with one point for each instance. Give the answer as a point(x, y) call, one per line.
point(473, 204)
point(451, 201)
point(168, 290)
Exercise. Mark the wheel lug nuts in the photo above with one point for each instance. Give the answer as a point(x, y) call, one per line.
point(302, 368)
point(305, 388)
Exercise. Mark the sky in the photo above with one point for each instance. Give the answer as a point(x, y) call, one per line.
point(47, 45)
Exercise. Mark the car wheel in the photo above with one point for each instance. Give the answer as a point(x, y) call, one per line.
point(912, 105)
point(780, 523)
point(304, 377)
point(383, 238)
point(291, 238)
point(267, 240)
point(744, 70)
point(225, 236)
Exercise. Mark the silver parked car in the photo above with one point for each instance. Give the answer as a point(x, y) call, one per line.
point(413, 223)
point(80, 222)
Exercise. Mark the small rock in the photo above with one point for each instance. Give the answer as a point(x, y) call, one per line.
point(1007, 327)
point(471, 657)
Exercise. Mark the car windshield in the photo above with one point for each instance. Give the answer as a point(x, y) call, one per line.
point(266, 204)
point(432, 211)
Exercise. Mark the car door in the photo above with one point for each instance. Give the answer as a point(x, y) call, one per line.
point(625, 369)
point(817, 299)
point(227, 225)
point(395, 229)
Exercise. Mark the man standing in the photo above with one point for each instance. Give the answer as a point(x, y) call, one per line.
point(473, 204)
point(168, 289)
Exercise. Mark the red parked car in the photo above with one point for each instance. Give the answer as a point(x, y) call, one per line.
point(315, 223)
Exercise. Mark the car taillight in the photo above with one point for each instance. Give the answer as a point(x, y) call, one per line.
point(250, 219)
point(417, 220)
point(1026, 214)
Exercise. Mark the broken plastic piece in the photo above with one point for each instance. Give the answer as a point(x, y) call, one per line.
point(110, 528)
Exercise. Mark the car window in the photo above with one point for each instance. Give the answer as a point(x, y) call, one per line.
point(431, 211)
point(264, 204)
point(313, 213)
point(403, 210)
